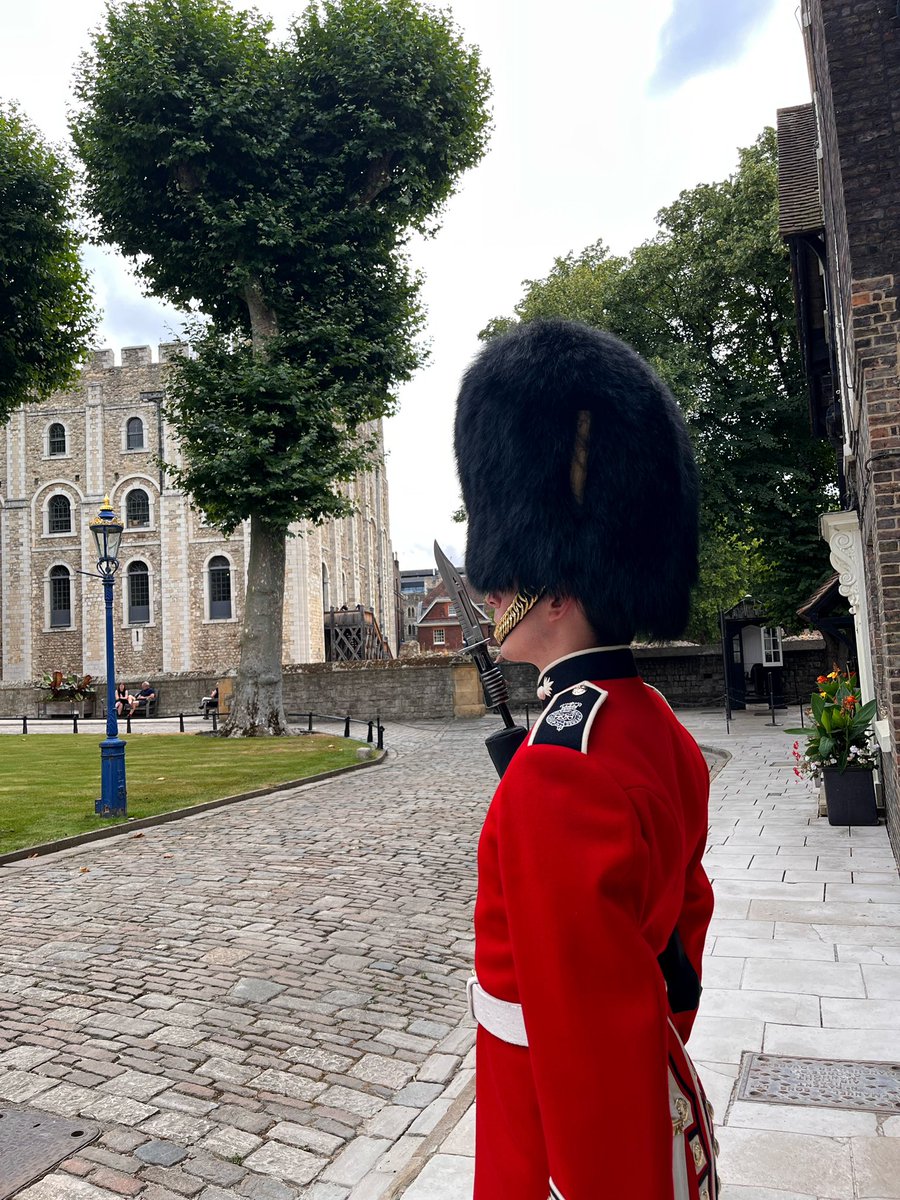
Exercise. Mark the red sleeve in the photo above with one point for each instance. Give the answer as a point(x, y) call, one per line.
point(697, 909)
point(574, 872)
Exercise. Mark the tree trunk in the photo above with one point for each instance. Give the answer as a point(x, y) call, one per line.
point(257, 707)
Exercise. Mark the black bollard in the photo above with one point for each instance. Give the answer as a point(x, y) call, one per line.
point(128, 723)
point(772, 697)
point(215, 720)
point(24, 724)
point(74, 722)
point(380, 736)
point(347, 726)
point(802, 721)
point(310, 722)
point(181, 722)
point(369, 737)
point(527, 716)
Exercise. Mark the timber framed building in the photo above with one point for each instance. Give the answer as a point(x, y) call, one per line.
point(180, 587)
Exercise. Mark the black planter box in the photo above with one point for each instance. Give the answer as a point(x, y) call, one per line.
point(850, 796)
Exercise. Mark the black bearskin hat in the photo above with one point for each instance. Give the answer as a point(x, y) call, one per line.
point(578, 478)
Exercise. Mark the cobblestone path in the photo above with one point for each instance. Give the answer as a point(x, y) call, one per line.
point(258, 1002)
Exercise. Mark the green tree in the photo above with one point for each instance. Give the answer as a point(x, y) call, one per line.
point(46, 312)
point(709, 302)
point(273, 186)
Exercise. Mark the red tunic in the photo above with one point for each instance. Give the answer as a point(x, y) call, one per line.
point(588, 860)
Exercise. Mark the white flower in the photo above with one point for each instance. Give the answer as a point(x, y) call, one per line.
point(545, 691)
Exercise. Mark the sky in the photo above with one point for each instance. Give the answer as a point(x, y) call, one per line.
point(603, 111)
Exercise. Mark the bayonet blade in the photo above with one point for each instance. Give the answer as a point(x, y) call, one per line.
point(473, 635)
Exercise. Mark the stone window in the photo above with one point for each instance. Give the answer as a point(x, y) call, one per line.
point(134, 434)
point(56, 440)
point(59, 515)
point(137, 509)
point(138, 579)
point(219, 588)
point(60, 598)
point(439, 637)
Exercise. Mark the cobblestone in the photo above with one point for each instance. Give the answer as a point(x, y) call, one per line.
point(252, 988)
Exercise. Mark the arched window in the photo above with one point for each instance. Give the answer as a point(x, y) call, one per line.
point(134, 434)
point(138, 593)
point(56, 439)
point(60, 598)
point(325, 597)
point(137, 509)
point(219, 588)
point(59, 515)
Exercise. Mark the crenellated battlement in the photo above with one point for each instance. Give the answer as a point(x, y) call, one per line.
point(134, 356)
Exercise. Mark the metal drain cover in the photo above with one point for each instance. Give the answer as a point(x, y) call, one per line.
point(32, 1142)
point(821, 1082)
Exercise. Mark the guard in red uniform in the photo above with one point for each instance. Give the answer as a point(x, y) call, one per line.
point(581, 493)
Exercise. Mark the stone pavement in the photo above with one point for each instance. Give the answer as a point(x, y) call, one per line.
point(260, 1002)
point(803, 959)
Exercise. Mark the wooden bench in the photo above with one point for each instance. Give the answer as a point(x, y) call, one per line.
point(147, 707)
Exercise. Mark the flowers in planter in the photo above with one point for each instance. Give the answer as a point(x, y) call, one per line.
point(59, 686)
point(841, 735)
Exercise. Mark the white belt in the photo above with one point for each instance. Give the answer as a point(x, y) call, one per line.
point(502, 1018)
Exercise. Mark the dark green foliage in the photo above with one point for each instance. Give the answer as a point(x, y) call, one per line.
point(708, 301)
point(46, 313)
point(273, 185)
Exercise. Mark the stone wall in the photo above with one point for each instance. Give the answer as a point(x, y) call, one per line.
point(444, 687)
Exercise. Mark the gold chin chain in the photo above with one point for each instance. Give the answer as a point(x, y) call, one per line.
point(522, 603)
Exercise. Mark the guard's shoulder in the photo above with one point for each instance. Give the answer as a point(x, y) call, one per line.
point(568, 718)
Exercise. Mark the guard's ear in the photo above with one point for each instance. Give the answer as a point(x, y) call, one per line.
point(559, 607)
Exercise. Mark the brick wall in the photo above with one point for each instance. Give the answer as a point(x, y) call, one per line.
point(854, 54)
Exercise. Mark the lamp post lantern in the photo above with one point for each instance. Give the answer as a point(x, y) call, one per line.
point(106, 530)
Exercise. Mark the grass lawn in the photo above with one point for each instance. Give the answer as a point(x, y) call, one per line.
point(48, 784)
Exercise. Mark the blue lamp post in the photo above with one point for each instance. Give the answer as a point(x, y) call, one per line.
point(106, 530)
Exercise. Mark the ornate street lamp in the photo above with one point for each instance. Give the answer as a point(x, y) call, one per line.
point(106, 530)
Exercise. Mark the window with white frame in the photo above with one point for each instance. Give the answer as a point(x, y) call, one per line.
point(60, 598)
point(137, 509)
point(134, 434)
point(56, 440)
point(59, 515)
point(439, 638)
point(772, 655)
point(138, 593)
point(219, 571)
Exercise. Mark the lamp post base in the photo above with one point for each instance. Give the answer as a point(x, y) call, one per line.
point(112, 802)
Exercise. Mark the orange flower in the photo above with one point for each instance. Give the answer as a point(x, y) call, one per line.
point(822, 679)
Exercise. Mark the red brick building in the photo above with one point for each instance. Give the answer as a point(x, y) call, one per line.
point(839, 159)
point(438, 627)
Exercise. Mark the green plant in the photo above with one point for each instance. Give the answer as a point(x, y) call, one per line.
point(66, 687)
point(841, 734)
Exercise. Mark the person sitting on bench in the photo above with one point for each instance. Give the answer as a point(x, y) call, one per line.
point(125, 702)
point(144, 699)
point(210, 703)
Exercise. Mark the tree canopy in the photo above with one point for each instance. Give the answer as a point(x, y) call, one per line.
point(708, 301)
point(272, 185)
point(46, 311)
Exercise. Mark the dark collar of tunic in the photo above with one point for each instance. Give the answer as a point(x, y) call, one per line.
point(599, 663)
